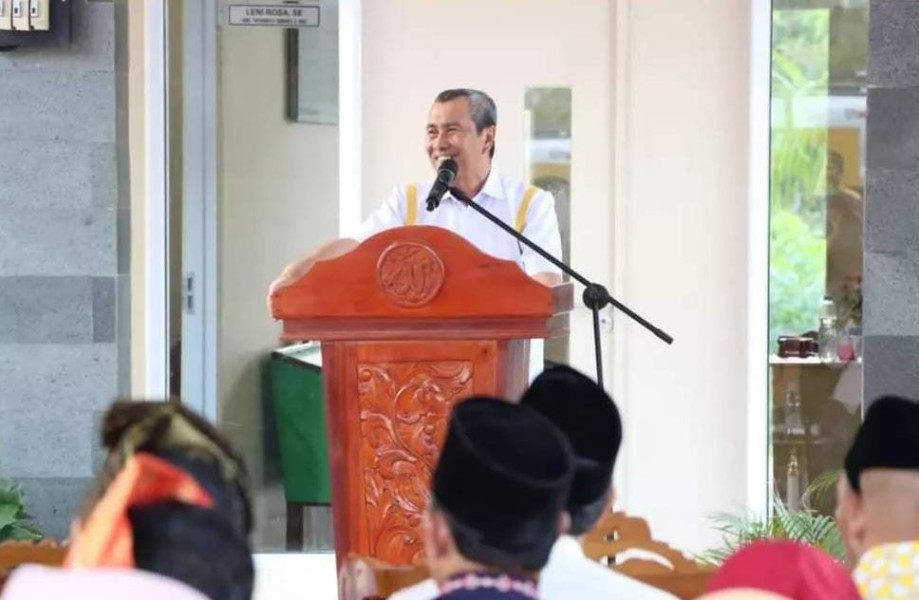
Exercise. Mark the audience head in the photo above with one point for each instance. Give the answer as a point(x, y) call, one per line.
point(28, 582)
point(781, 569)
point(587, 416)
point(171, 499)
point(878, 498)
point(498, 492)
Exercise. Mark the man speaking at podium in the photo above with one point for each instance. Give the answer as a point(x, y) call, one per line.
point(461, 127)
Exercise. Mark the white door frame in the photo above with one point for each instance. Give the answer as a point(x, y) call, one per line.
point(759, 480)
point(350, 114)
point(199, 211)
point(155, 301)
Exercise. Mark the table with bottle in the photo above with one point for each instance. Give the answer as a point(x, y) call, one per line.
point(816, 408)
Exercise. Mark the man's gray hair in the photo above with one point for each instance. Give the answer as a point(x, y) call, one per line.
point(482, 108)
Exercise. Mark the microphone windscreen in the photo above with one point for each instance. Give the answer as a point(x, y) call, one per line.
point(450, 166)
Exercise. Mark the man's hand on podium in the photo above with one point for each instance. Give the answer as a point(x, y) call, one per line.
point(283, 280)
point(548, 279)
point(298, 269)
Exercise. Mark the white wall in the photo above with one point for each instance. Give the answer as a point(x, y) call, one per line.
point(413, 49)
point(660, 123)
point(278, 199)
point(681, 255)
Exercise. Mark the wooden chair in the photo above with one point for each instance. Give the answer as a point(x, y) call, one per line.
point(618, 534)
point(13, 554)
point(615, 535)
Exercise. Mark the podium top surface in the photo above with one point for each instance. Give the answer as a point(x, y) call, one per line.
point(412, 277)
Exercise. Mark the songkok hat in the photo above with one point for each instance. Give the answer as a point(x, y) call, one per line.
point(502, 481)
point(888, 438)
point(789, 569)
point(589, 419)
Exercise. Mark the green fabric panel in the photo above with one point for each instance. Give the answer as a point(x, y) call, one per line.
point(299, 409)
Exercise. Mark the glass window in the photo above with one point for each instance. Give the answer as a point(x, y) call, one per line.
point(548, 162)
point(819, 63)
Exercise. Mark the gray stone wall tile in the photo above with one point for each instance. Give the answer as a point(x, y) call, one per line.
point(46, 442)
point(891, 366)
point(66, 377)
point(123, 244)
point(53, 502)
point(99, 453)
point(891, 289)
point(103, 309)
point(103, 171)
point(894, 41)
point(891, 210)
point(58, 228)
point(57, 241)
point(52, 105)
point(893, 129)
point(56, 174)
point(123, 332)
point(46, 310)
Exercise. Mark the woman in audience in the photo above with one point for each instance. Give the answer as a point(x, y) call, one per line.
point(781, 570)
point(169, 515)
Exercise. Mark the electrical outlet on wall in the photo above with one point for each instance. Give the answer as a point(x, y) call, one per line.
point(6, 15)
point(21, 15)
point(40, 15)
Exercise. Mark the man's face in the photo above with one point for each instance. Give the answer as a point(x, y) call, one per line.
point(451, 133)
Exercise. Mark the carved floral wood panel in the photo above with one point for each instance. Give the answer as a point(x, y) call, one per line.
point(403, 415)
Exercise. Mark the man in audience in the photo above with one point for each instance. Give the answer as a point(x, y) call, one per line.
point(497, 503)
point(878, 500)
point(587, 416)
point(170, 515)
point(589, 419)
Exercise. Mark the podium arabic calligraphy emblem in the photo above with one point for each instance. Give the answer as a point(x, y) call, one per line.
point(410, 274)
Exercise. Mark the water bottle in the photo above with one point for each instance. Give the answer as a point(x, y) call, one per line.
point(826, 332)
point(794, 418)
point(793, 483)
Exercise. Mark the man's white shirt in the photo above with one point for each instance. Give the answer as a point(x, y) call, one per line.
point(568, 574)
point(502, 196)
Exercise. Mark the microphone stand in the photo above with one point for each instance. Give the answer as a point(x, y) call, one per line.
point(595, 296)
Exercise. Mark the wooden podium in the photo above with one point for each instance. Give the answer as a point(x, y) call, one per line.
point(411, 321)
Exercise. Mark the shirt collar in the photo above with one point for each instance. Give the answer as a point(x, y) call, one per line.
point(568, 545)
point(497, 582)
point(493, 188)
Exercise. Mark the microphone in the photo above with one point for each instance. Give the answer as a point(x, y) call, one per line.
point(446, 173)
